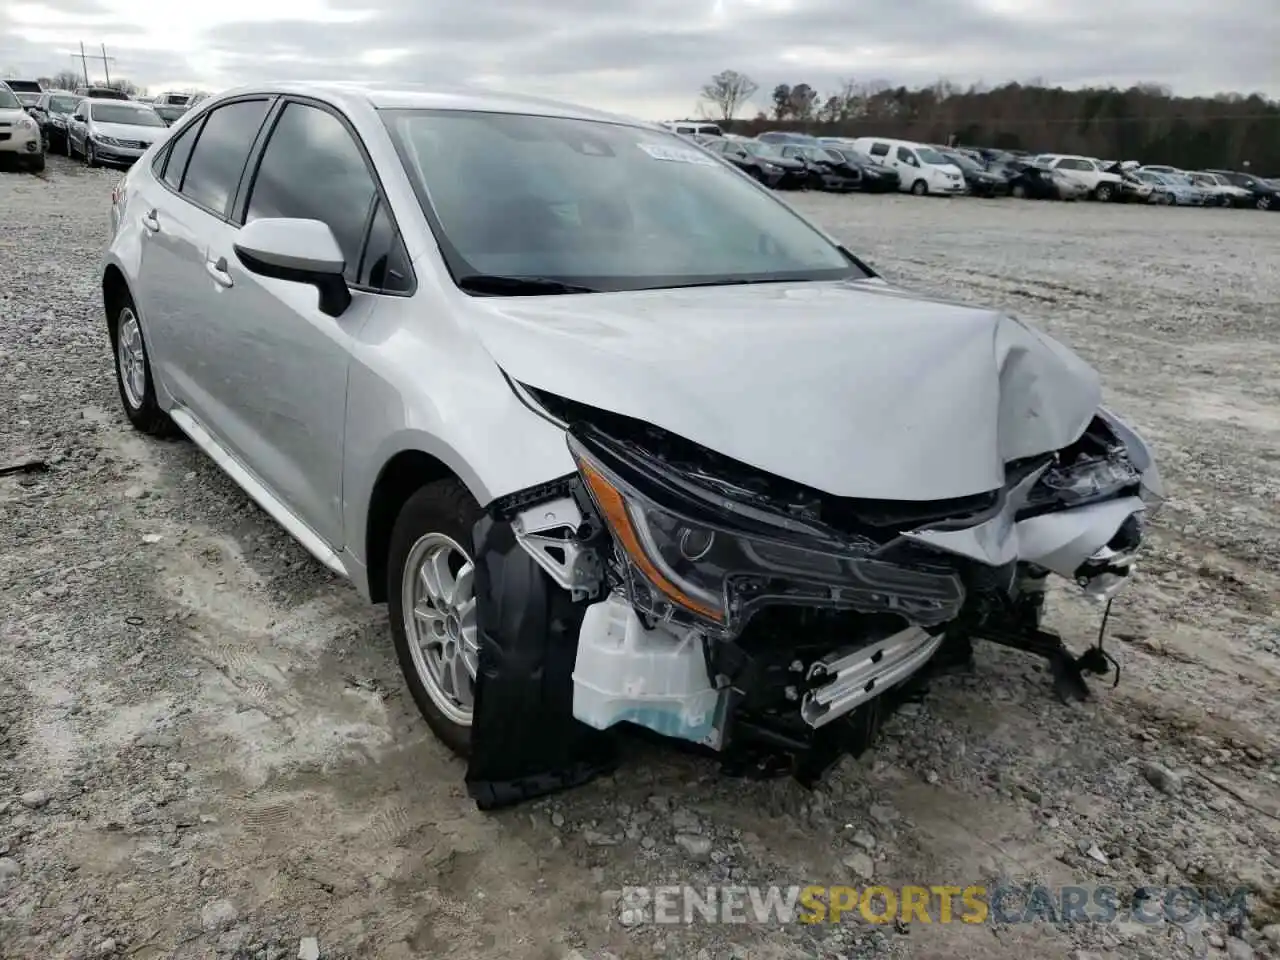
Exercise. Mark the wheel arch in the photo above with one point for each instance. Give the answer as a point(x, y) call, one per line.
point(404, 474)
point(115, 290)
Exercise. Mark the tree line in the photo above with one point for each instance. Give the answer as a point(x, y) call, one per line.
point(1145, 122)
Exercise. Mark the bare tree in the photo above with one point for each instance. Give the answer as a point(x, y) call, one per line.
point(65, 80)
point(727, 91)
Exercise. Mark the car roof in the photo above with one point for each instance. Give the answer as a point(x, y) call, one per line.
point(410, 96)
point(112, 101)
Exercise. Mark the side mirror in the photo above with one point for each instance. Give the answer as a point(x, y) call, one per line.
point(300, 251)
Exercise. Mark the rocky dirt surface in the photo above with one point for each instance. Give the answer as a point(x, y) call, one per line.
point(206, 748)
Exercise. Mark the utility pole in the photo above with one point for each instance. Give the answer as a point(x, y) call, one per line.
point(84, 59)
point(84, 63)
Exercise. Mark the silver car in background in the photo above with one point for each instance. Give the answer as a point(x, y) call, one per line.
point(112, 131)
point(618, 436)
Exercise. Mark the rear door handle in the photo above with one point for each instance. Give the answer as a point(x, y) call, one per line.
point(219, 272)
point(151, 221)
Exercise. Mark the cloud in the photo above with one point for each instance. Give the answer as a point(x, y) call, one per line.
point(649, 57)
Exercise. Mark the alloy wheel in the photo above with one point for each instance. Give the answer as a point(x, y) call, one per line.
point(438, 599)
point(133, 359)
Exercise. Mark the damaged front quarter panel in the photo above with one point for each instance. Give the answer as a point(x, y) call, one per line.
point(669, 587)
point(1080, 514)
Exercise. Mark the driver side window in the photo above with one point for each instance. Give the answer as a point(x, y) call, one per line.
point(906, 156)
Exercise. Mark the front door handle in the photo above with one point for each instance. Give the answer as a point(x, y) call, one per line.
point(151, 221)
point(219, 272)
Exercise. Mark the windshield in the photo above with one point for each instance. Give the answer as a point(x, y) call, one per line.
point(132, 115)
point(963, 162)
point(758, 148)
point(1148, 176)
point(63, 104)
point(930, 156)
point(8, 101)
point(598, 205)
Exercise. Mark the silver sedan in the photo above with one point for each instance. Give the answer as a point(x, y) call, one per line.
point(618, 436)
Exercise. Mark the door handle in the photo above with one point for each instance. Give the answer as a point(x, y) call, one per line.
point(151, 221)
point(219, 272)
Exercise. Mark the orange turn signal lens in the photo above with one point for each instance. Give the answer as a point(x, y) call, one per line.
point(614, 508)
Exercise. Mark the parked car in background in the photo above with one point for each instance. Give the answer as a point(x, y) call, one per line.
point(1160, 168)
point(769, 170)
point(921, 169)
point(1171, 189)
point(980, 181)
point(1099, 183)
point(1220, 190)
point(1031, 181)
point(1132, 188)
point(786, 136)
point(693, 128)
point(109, 131)
point(795, 173)
point(27, 91)
point(20, 139)
point(52, 111)
point(576, 456)
point(1262, 195)
point(171, 106)
point(876, 177)
point(102, 93)
point(828, 171)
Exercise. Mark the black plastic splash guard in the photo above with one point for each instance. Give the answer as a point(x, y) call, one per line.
point(525, 742)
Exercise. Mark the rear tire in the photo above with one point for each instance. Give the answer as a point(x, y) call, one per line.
point(919, 188)
point(436, 522)
point(133, 370)
point(1018, 192)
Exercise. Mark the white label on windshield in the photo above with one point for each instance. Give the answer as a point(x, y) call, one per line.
point(661, 151)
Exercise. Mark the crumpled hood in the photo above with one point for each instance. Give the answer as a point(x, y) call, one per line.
point(854, 389)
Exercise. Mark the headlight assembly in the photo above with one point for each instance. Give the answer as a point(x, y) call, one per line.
point(719, 568)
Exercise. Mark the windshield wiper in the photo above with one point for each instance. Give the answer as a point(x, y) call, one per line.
point(518, 286)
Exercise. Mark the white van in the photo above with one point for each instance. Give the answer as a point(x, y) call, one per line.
point(921, 169)
point(693, 128)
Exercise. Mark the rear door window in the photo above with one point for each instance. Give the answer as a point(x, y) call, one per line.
point(220, 153)
point(179, 153)
point(879, 149)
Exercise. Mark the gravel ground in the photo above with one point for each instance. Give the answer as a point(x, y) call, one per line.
point(206, 748)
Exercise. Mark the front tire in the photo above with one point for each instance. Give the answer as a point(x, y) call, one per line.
point(1103, 193)
point(1264, 202)
point(1019, 192)
point(919, 188)
point(90, 155)
point(133, 371)
point(432, 607)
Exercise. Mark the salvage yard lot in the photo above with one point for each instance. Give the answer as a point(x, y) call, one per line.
point(206, 748)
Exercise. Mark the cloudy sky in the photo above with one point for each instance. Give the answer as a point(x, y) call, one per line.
point(649, 57)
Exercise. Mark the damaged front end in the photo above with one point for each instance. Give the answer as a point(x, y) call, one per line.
point(669, 587)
